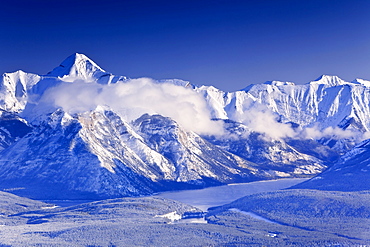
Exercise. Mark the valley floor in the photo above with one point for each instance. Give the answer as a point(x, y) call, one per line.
point(278, 218)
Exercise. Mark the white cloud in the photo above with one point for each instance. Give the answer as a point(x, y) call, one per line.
point(336, 132)
point(261, 119)
point(138, 96)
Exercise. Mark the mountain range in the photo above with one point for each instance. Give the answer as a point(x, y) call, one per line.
point(87, 133)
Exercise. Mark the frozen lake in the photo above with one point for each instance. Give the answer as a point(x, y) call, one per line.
point(213, 196)
point(216, 196)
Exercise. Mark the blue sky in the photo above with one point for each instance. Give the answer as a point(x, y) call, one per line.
point(228, 44)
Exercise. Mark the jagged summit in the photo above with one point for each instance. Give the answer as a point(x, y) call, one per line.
point(78, 65)
point(330, 80)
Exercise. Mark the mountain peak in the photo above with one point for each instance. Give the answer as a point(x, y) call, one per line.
point(330, 80)
point(80, 66)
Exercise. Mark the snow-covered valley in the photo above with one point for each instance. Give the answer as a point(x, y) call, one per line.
point(274, 218)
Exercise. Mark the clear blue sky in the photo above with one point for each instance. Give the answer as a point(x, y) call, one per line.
point(228, 44)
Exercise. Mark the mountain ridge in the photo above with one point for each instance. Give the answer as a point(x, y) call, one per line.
point(95, 151)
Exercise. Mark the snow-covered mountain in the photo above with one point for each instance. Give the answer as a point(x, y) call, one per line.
point(328, 105)
point(97, 155)
point(277, 157)
point(78, 65)
point(87, 133)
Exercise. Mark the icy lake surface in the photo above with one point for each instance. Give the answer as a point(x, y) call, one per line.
point(217, 196)
point(213, 196)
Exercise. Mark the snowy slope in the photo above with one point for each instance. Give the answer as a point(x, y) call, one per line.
point(11, 204)
point(350, 173)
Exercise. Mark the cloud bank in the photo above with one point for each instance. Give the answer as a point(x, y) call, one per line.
point(261, 119)
point(136, 97)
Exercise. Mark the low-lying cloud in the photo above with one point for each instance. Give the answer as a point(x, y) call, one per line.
point(136, 97)
point(261, 119)
point(335, 132)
